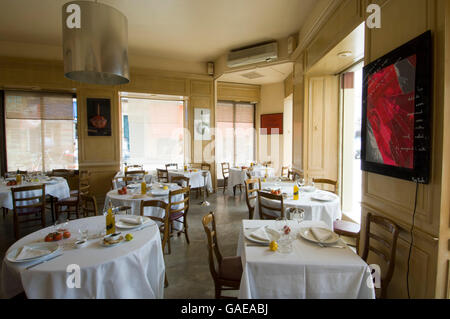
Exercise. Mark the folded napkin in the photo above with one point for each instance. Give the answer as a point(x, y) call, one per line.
point(320, 234)
point(261, 234)
point(27, 252)
point(134, 221)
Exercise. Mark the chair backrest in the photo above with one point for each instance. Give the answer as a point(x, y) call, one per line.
point(185, 201)
point(134, 175)
point(163, 175)
point(284, 171)
point(267, 164)
point(182, 181)
point(195, 165)
point(276, 205)
point(21, 172)
point(391, 246)
point(135, 167)
point(83, 183)
point(159, 204)
point(209, 225)
point(325, 181)
point(170, 165)
point(118, 182)
point(294, 174)
point(28, 201)
point(88, 205)
point(251, 194)
point(225, 169)
point(206, 166)
point(249, 175)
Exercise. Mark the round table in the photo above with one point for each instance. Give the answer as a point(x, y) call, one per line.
point(238, 176)
point(134, 269)
point(55, 186)
point(133, 199)
point(315, 210)
point(196, 179)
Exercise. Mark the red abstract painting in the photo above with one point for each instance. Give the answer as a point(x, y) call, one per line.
point(272, 124)
point(390, 114)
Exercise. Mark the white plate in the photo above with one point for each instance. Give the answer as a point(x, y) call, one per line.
point(274, 234)
point(125, 225)
point(307, 234)
point(51, 247)
point(324, 197)
point(112, 245)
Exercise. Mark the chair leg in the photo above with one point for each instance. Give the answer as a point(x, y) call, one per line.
point(5, 211)
point(186, 229)
point(234, 190)
point(16, 226)
point(218, 291)
point(166, 282)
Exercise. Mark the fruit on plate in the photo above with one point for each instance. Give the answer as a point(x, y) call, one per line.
point(122, 191)
point(273, 246)
point(275, 191)
point(286, 229)
point(66, 234)
point(56, 236)
point(11, 183)
point(49, 237)
point(128, 237)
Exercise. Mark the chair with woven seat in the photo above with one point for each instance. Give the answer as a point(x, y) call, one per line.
point(326, 181)
point(88, 205)
point(227, 275)
point(387, 256)
point(162, 175)
point(348, 229)
point(72, 204)
point(270, 206)
point(181, 181)
point(25, 203)
point(171, 166)
point(178, 209)
point(251, 194)
point(225, 174)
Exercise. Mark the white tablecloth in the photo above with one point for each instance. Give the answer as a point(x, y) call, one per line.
point(315, 210)
point(57, 187)
point(135, 203)
point(134, 269)
point(196, 179)
point(148, 179)
point(308, 272)
point(238, 176)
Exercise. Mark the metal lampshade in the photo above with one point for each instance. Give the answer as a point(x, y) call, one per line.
point(97, 52)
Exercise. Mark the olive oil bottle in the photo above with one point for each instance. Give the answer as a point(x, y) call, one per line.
point(296, 189)
point(110, 221)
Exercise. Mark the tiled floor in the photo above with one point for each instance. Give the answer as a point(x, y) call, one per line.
point(187, 265)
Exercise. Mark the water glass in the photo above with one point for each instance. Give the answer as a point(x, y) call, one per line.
point(285, 244)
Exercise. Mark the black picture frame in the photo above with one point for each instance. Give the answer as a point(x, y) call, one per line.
point(98, 116)
point(420, 172)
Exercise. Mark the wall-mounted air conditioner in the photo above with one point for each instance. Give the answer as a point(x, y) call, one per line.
point(260, 53)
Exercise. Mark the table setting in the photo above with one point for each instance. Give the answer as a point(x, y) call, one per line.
point(127, 263)
point(296, 259)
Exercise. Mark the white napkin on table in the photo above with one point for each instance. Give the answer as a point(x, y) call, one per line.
point(320, 234)
point(261, 234)
point(130, 220)
point(29, 252)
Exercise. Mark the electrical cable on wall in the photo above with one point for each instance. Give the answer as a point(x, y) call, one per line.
point(412, 239)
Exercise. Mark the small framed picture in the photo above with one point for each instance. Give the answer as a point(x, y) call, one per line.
point(99, 117)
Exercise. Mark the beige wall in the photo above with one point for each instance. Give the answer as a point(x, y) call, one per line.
point(383, 195)
point(101, 155)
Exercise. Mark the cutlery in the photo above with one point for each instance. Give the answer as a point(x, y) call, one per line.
point(44, 261)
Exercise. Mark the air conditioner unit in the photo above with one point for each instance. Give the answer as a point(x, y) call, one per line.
point(256, 54)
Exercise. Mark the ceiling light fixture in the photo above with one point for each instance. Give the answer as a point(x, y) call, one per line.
point(95, 43)
point(345, 54)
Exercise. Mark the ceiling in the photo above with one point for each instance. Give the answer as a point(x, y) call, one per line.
point(260, 75)
point(188, 30)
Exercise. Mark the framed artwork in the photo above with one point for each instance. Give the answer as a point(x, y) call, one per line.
point(202, 124)
point(99, 117)
point(271, 124)
point(396, 120)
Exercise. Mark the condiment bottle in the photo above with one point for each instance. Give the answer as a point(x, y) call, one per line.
point(110, 221)
point(296, 189)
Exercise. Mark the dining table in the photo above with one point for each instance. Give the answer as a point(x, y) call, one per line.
point(196, 177)
point(318, 205)
point(131, 269)
point(133, 199)
point(238, 175)
point(308, 271)
point(54, 186)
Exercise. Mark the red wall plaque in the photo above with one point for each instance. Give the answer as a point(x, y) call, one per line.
point(270, 123)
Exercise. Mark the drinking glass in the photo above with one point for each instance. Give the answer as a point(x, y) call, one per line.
point(298, 215)
point(285, 244)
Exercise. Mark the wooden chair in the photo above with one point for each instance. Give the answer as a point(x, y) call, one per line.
point(195, 165)
point(284, 171)
point(88, 205)
point(250, 195)
point(205, 167)
point(228, 274)
point(135, 167)
point(119, 182)
point(72, 204)
point(131, 176)
point(276, 207)
point(225, 174)
point(162, 175)
point(348, 229)
point(267, 164)
point(169, 166)
point(35, 205)
point(176, 213)
point(295, 174)
point(332, 183)
point(387, 256)
point(182, 181)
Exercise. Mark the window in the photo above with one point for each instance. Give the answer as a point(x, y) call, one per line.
point(152, 132)
point(235, 138)
point(40, 131)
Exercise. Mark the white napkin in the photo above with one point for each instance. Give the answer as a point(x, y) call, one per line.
point(131, 220)
point(29, 252)
point(261, 234)
point(320, 234)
